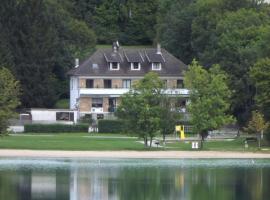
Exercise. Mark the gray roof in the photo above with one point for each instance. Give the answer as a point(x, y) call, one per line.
point(98, 63)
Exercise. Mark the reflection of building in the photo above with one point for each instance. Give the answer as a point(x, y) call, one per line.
point(43, 186)
point(97, 84)
point(93, 184)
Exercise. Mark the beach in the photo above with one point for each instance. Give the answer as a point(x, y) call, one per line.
point(129, 154)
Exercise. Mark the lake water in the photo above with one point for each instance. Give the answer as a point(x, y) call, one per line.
point(134, 179)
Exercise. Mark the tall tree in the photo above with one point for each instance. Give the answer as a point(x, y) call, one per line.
point(9, 98)
point(260, 74)
point(39, 39)
point(209, 98)
point(141, 107)
point(174, 27)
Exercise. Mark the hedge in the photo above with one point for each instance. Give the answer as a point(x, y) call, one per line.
point(55, 128)
point(111, 126)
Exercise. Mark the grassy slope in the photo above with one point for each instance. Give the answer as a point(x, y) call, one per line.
point(112, 142)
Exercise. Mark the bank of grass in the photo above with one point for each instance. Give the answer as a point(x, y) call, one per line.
point(108, 142)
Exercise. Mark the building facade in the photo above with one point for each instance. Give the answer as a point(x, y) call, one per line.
point(96, 85)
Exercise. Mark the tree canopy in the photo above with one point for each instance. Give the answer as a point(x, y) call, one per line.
point(209, 98)
point(9, 98)
point(260, 74)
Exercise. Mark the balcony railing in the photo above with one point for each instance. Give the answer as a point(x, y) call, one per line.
point(120, 91)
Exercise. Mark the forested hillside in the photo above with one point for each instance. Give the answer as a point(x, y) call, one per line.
point(39, 40)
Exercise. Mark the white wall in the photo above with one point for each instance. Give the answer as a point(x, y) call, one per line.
point(43, 115)
point(49, 116)
point(74, 91)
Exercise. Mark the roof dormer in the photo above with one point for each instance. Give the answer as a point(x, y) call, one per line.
point(135, 59)
point(114, 65)
point(156, 66)
point(135, 66)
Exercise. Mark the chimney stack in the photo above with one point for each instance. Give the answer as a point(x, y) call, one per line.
point(115, 46)
point(77, 62)
point(158, 48)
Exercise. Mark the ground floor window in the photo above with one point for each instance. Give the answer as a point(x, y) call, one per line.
point(64, 116)
point(112, 105)
point(97, 102)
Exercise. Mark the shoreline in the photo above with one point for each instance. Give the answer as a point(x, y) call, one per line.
point(11, 153)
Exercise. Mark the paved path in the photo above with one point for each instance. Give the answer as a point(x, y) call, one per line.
point(129, 154)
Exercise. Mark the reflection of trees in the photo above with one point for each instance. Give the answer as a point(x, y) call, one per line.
point(144, 182)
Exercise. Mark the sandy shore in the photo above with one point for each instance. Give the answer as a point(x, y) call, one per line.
point(128, 154)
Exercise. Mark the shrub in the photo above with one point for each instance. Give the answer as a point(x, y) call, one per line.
point(111, 126)
point(55, 128)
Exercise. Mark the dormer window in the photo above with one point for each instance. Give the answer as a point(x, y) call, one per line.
point(135, 66)
point(156, 66)
point(114, 66)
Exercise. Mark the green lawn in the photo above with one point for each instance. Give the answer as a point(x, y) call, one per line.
point(105, 142)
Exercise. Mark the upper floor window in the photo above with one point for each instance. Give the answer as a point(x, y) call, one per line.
point(180, 83)
point(114, 66)
point(135, 66)
point(156, 66)
point(107, 83)
point(126, 83)
point(89, 83)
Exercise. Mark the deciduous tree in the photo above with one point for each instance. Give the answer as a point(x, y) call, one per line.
point(257, 125)
point(141, 107)
point(9, 98)
point(209, 98)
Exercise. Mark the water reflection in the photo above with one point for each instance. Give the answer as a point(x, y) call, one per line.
point(134, 182)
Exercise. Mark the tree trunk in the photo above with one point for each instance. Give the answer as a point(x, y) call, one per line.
point(259, 140)
point(151, 139)
point(164, 140)
point(145, 141)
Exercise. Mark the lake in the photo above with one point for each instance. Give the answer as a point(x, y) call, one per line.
point(134, 179)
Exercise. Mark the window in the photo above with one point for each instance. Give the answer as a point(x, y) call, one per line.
point(180, 83)
point(156, 66)
point(89, 83)
point(112, 105)
point(64, 116)
point(126, 83)
point(107, 83)
point(135, 66)
point(165, 83)
point(114, 66)
point(97, 102)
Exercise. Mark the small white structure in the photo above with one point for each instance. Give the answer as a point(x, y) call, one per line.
point(195, 145)
point(48, 116)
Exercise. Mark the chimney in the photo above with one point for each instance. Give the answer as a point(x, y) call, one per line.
point(158, 48)
point(115, 46)
point(77, 62)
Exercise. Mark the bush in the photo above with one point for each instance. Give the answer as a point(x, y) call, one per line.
point(111, 126)
point(55, 128)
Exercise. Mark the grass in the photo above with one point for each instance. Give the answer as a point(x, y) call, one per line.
point(108, 142)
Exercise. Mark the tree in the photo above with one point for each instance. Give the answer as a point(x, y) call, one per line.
point(169, 116)
point(174, 27)
point(260, 74)
point(9, 98)
point(257, 125)
point(140, 108)
point(38, 41)
point(209, 98)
